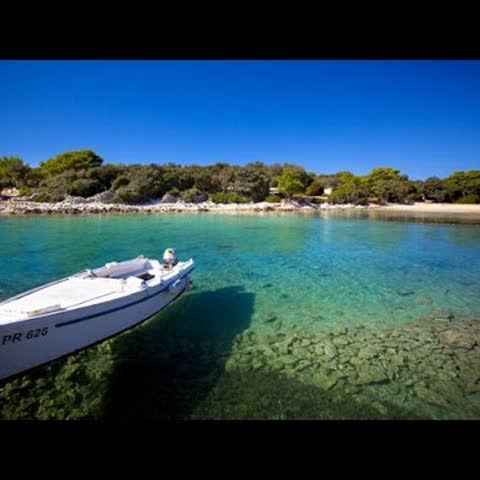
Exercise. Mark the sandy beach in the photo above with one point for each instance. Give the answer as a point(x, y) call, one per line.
point(447, 208)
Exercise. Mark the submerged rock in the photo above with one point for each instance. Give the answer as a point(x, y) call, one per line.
point(270, 319)
point(327, 382)
point(356, 361)
point(442, 314)
point(342, 341)
point(318, 349)
point(380, 407)
point(471, 379)
point(458, 339)
point(430, 396)
point(330, 349)
point(282, 348)
point(370, 374)
point(423, 301)
point(339, 330)
point(367, 352)
point(404, 292)
point(277, 326)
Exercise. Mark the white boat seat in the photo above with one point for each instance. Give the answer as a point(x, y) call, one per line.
point(116, 270)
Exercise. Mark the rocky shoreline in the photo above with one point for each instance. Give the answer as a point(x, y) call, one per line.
point(76, 207)
point(95, 205)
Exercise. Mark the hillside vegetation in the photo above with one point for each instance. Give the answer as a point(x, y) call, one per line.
point(84, 174)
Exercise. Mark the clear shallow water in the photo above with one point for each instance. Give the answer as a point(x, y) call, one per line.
point(262, 274)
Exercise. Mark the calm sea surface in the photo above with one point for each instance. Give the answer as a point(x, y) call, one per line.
point(270, 294)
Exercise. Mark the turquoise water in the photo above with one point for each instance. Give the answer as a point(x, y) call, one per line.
point(268, 275)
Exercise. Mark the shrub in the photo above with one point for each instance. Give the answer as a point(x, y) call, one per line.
point(105, 174)
point(190, 194)
point(461, 185)
point(468, 199)
point(25, 192)
point(251, 183)
point(78, 160)
point(354, 191)
point(52, 196)
point(174, 192)
point(85, 187)
point(120, 181)
point(144, 183)
point(129, 195)
point(13, 172)
point(413, 197)
point(292, 181)
point(273, 199)
point(229, 197)
point(315, 188)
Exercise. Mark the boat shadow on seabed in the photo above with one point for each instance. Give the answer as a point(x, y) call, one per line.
point(168, 366)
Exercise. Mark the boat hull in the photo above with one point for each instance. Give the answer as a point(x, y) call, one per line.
point(29, 344)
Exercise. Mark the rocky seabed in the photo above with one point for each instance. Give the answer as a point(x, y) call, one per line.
point(427, 369)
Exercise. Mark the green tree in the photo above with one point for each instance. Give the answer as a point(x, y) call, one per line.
point(120, 181)
point(77, 160)
point(105, 174)
point(177, 177)
point(415, 190)
point(337, 179)
point(85, 187)
point(435, 189)
point(467, 199)
point(355, 190)
point(394, 191)
point(223, 176)
point(252, 182)
point(55, 188)
point(13, 172)
point(191, 194)
point(463, 184)
point(32, 178)
point(315, 188)
point(230, 197)
point(274, 172)
point(388, 185)
point(383, 174)
point(145, 183)
point(292, 181)
point(202, 179)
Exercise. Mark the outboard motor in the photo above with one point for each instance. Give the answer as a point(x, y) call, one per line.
point(169, 258)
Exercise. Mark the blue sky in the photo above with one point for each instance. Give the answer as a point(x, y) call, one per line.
point(422, 117)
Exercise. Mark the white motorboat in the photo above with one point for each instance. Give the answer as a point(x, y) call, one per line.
point(70, 314)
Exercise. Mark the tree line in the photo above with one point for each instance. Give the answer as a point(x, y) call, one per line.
point(84, 174)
